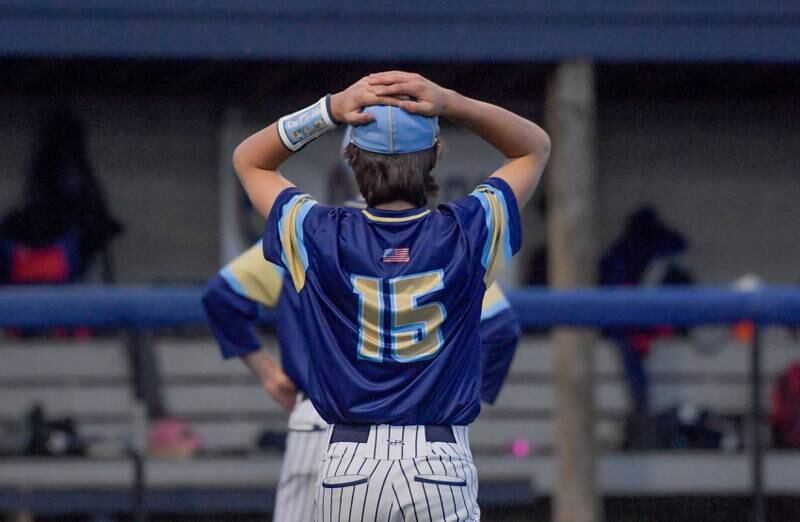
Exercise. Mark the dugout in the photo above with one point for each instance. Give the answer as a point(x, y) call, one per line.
point(717, 160)
point(695, 108)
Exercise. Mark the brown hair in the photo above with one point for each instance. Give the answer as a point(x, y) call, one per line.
point(383, 178)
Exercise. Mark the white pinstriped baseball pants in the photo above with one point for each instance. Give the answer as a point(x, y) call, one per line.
point(397, 475)
point(305, 447)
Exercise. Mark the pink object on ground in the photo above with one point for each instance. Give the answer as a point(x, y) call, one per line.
point(520, 447)
point(172, 438)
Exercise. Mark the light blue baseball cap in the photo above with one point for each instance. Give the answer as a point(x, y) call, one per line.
point(394, 131)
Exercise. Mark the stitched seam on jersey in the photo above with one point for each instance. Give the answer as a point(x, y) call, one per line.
point(395, 219)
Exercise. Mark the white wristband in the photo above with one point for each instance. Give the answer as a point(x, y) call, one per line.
point(306, 125)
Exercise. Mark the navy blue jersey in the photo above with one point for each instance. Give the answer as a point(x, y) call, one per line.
point(237, 296)
point(234, 300)
point(391, 301)
point(500, 333)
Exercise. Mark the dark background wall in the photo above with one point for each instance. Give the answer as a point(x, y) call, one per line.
point(714, 149)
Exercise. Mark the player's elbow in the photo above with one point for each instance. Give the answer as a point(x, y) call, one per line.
point(239, 160)
point(540, 144)
point(209, 301)
point(212, 301)
point(535, 144)
point(243, 162)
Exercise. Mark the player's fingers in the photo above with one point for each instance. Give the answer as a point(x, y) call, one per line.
point(413, 106)
point(371, 97)
point(393, 71)
point(388, 78)
point(384, 80)
point(385, 100)
point(358, 118)
point(395, 89)
point(383, 73)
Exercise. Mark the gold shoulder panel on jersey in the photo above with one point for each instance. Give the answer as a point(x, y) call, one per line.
point(254, 277)
point(290, 228)
point(497, 248)
point(494, 301)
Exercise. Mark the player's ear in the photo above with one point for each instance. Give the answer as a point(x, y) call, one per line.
point(439, 150)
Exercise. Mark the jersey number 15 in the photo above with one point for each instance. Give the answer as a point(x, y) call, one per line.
point(414, 329)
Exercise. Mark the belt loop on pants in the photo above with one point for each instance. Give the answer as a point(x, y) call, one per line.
point(350, 433)
point(438, 433)
point(360, 433)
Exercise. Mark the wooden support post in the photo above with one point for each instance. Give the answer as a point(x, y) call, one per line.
point(571, 193)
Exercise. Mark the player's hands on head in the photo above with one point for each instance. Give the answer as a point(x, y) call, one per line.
point(346, 105)
point(416, 93)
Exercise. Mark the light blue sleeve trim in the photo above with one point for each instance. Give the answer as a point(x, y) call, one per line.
point(506, 232)
point(301, 218)
point(282, 224)
point(487, 211)
point(507, 228)
point(227, 275)
point(496, 307)
point(305, 208)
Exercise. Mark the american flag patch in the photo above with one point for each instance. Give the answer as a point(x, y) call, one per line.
point(396, 255)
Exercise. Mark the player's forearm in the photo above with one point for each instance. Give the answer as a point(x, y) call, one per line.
point(263, 150)
point(272, 378)
point(512, 135)
point(264, 367)
point(256, 161)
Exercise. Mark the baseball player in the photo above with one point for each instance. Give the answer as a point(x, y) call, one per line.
point(232, 300)
point(390, 294)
